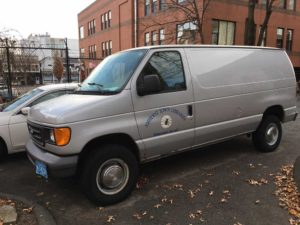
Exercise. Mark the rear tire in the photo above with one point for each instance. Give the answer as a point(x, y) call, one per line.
point(109, 174)
point(268, 135)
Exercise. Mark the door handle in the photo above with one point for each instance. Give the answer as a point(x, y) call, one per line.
point(190, 112)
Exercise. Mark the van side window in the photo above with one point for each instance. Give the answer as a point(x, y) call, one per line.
point(168, 66)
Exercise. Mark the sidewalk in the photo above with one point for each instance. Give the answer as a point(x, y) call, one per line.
point(19, 211)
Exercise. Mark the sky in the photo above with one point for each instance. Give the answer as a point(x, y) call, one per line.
point(57, 17)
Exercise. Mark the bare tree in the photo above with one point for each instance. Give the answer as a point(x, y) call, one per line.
point(250, 23)
point(269, 10)
point(58, 67)
point(179, 13)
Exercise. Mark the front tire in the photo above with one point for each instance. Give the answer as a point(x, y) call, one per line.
point(109, 174)
point(268, 135)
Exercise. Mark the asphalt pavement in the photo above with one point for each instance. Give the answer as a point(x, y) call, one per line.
point(213, 185)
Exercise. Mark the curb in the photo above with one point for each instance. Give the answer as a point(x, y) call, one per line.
point(42, 215)
point(297, 172)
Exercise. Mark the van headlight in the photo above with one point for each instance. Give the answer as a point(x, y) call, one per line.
point(59, 136)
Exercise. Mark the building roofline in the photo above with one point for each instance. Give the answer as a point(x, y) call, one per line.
point(86, 8)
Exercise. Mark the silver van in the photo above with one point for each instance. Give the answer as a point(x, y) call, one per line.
point(146, 103)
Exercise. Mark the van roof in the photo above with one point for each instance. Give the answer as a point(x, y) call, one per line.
point(206, 46)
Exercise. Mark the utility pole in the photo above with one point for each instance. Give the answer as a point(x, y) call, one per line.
point(67, 61)
point(9, 88)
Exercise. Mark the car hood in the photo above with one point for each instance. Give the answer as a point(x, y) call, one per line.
point(4, 118)
point(73, 108)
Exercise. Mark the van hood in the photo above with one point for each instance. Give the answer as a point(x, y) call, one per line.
point(76, 107)
point(4, 118)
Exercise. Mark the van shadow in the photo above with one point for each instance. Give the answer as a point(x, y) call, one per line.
point(205, 158)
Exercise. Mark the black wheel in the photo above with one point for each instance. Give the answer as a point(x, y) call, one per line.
point(3, 150)
point(267, 137)
point(109, 174)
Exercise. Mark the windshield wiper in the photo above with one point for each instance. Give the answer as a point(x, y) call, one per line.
point(95, 84)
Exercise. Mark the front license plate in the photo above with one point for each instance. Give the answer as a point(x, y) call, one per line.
point(41, 169)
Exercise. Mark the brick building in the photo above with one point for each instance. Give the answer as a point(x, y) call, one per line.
point(108, 26)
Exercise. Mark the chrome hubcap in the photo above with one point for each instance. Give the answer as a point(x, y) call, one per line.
point(272, 134)
point(112, 176)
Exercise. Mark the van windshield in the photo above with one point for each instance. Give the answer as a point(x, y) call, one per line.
point(112, 74)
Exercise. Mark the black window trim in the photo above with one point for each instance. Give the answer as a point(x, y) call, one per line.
point(165, 91)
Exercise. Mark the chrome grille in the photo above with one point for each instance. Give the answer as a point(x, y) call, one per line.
point(36, 133)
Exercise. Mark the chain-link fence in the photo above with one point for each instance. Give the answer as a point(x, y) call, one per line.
point(24, 67)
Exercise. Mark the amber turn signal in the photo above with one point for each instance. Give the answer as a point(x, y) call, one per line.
point(62, 136)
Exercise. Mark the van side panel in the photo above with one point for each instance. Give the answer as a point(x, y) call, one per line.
point(233, 88)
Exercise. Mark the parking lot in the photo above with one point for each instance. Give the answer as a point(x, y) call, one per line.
point(207, 186)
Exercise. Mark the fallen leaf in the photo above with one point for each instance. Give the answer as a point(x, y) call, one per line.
point(192, 216)
point(191, 193)
point(236, 172)
point(28, 210)
point(164, 199)
point(211, 193)
point(137, 216)
point(257, 201)
point(40, 194)
point(223, 200)
point(157, 206)
point(110, 219)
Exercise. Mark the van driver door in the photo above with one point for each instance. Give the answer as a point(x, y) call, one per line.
point(164, 117)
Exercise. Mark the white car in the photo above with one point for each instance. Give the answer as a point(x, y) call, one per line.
point(13, 118)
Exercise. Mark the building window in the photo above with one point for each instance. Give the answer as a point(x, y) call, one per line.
point(91, 27)
point(282, 4)
point(109, 18)
point(289, 40)
point(103, 49)
point(153, 38)
point(264, 41)
point(279, 39)
point(106, 48)
point(186, 33)
point(82, 53)
point(92, 52)
point(162, 4)
point(102, 22)
point(81, 32)
point(147, 39)
point(110, 47)
point(147, 7)
point(291, 5)
point(154, 6)
point(223, 32)
point(162, 36)
point(106, 20)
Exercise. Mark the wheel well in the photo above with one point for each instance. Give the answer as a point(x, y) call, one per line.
point(276, 110)
point(2, 142)
point(121, 139)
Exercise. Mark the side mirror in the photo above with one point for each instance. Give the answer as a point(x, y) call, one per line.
point(25, 111)
point(149, 84)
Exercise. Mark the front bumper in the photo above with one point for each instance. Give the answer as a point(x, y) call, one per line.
point(57, 166)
